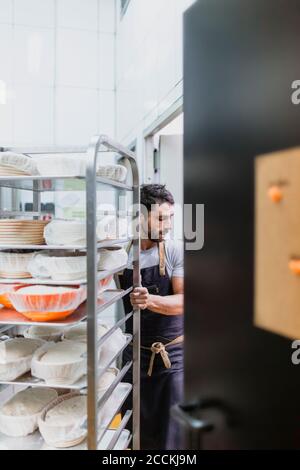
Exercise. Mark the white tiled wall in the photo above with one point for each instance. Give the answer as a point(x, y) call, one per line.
point(149, 63)
point(57, 74)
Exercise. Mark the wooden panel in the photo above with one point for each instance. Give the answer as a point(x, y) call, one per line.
point(277, 233)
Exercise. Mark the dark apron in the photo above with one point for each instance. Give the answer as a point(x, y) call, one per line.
point(164, 388)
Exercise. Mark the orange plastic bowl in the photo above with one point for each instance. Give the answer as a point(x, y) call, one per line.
point(47, 316)
point(47, 307)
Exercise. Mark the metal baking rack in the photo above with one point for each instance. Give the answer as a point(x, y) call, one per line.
point(93, 307)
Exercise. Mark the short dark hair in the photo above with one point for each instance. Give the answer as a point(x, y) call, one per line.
point(155, 194)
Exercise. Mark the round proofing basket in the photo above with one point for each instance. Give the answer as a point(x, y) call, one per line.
point(106, 412)
point(19, 163)
point(59, 268)
point(112, 258)
point(54, 337)
point(22, 275)
point(18, 426)
point(111, 346)
point(65, 232)
point(60, 374)
point(61, 436)
point(12, 370)
point(107, 379)
point(15, 264)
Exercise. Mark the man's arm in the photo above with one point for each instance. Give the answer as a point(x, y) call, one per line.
point(165, 305)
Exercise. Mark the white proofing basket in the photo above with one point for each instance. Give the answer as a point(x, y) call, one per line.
point(112, 346)
point(18, 426)
point(70, 232)
point(12, 369)
point(111, 404)
point(66, 267)
point(109, 348)
point(23, 425)
point(66, 373)
point(107, 379)
point(62, 435)
point(61, 165)
point(14, 263)
point(113, 172)
point(19, 162)
point(65, 232)
point(79, 332)
point(112, 258)
point(45, 333)
point(105, 382)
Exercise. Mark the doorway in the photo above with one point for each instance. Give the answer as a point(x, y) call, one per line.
point(164, 162)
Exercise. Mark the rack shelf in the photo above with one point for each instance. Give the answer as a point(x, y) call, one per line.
point(57, 183)
point(11, 317)
point(30, 381)
point(36, 442)
point(75, 282)
point(90, 310)
point(100, 245)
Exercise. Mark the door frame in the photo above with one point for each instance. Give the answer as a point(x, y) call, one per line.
point(163, 120)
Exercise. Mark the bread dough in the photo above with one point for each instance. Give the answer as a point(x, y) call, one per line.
point(28, 402)
point(67, 412)
point(17, 348)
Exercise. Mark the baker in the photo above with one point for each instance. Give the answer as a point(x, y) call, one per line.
point(161, 302)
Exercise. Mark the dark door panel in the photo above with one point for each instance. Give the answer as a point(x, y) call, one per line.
point(241, 58)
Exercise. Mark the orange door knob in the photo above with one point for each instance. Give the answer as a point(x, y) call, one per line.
point(275, 194)
point(294, 266)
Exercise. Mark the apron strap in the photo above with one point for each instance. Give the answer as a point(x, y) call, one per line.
point(127, 249)
point(160, 348)
point(162, 258)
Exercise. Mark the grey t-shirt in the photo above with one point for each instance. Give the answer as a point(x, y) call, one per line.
point(174, 258)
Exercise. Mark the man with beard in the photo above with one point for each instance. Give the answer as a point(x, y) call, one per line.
point(161, 302)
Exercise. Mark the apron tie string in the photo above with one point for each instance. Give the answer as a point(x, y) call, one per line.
point(160, 348)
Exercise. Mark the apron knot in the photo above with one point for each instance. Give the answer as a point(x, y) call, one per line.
point(159, 348)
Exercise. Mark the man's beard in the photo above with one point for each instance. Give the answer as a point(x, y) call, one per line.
point(156, 237)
